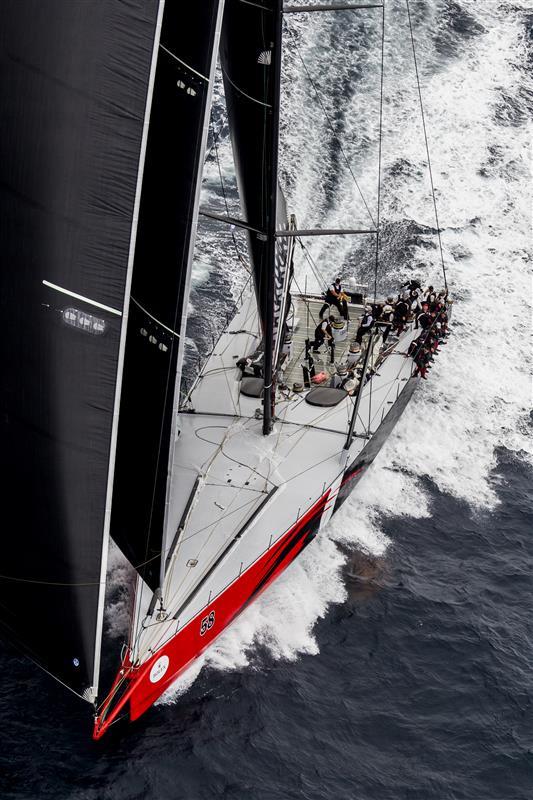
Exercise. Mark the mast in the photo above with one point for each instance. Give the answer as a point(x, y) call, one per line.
point(269, 390)
point(250, 56)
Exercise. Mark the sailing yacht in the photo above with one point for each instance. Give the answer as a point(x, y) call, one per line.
point(209, 496)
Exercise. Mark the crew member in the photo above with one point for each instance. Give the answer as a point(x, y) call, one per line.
point(384, 323)
point(423, 320)
point(341, 375)
point(367, 322)
point(430, 295)
point(322, 332)
point(401, 311)
point(335, 297)
point(353, 355)
point(422, 359)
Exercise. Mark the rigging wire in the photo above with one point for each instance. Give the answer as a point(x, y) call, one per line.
point(330, 124)
point(224, 195)
point(319, 276)
point(226, 455)
point(14, 579)
point(426, 141)
point(380, 143)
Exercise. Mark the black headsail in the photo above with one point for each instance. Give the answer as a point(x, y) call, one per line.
point(161, 274)
point(74, 84)
point(250, 54)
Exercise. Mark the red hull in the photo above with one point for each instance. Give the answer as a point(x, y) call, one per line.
point(141, 686)
point(148, 682)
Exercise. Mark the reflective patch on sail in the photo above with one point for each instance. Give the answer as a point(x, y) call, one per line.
point(265, 57)
point(87, 323)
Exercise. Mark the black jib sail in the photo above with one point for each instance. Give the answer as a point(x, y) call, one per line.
point(161, 274)
point(250, 55)
point(74, 86)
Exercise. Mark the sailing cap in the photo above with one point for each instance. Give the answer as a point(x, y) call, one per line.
point(342, 369)
point(355, 347)
point(387, 309)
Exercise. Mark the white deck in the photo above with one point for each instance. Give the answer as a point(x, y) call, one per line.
point(221, 454)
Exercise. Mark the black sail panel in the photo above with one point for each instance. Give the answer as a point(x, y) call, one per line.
point(250, 55)
point(73, 82)
point(167, 218)
point(246, 55)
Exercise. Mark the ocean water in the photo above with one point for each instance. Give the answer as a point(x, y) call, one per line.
point(394, 658)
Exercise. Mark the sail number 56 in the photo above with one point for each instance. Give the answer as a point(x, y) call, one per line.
point(207, 623)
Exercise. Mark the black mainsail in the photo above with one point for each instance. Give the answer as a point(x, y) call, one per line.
point(250, 55)
point(74, 90)
point(161, 275)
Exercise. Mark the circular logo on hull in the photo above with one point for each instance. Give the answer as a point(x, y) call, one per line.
point(159, 668)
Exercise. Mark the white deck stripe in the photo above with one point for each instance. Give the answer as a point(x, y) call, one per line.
point(81, 297)
point(154, 318)
point(183, 63)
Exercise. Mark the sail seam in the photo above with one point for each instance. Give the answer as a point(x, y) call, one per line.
point(183, 63)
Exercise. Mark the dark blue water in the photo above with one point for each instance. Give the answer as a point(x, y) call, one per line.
point(422, 689)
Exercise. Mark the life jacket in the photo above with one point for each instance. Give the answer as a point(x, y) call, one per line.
point(334, 287)
point(401, 310)
point(322, 329)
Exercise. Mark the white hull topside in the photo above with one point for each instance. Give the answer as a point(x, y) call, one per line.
point(227, 473)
